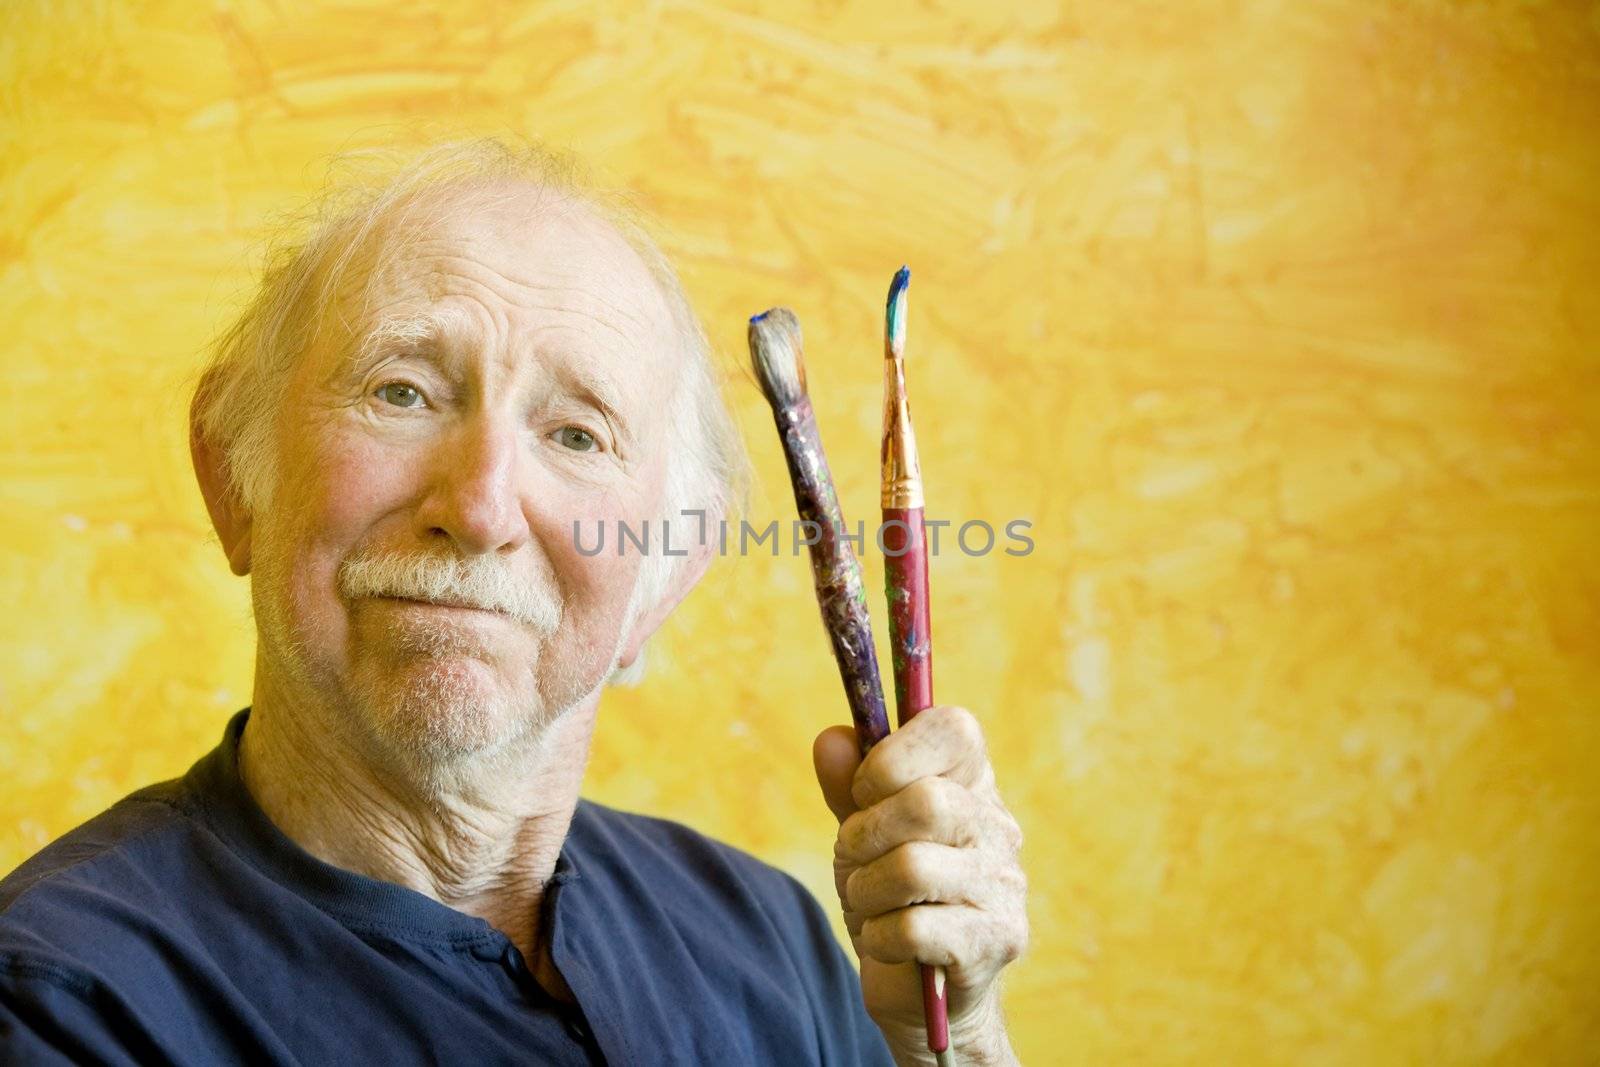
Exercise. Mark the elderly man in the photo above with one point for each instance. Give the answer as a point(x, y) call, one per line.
point(386, 858)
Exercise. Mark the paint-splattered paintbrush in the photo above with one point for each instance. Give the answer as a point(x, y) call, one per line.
point(778, 358)
point(905, 564)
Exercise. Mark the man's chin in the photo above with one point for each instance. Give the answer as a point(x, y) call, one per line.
point(439, 713)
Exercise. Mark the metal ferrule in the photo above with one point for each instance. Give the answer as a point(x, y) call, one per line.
point(902, 474)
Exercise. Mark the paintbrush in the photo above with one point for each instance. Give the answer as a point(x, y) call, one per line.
point(905, 580)
point(777, 355)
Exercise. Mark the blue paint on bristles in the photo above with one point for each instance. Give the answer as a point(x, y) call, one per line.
point(894, 324)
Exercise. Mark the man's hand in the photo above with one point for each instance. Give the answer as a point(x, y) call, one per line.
point(926, 868)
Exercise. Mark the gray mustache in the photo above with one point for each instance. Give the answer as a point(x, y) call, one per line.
point(483, 582)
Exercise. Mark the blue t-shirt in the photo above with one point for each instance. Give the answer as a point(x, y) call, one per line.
point(181, 926)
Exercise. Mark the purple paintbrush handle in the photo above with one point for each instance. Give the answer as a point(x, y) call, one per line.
point(841, 594)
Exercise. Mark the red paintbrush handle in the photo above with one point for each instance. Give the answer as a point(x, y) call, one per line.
point(905, 562)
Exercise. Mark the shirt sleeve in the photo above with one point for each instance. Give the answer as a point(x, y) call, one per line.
point(48, 1016)
point(846, 1032)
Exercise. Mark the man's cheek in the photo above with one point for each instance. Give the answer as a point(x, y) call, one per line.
point(604, 585)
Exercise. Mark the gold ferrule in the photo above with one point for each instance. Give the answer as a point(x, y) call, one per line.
point(902, 474)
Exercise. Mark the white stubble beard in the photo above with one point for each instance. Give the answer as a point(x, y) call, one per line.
point(423, 713)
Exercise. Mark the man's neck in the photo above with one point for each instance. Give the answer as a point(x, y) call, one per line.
point(485, 846)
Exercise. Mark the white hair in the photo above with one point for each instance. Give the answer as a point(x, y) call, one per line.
point(358, 225)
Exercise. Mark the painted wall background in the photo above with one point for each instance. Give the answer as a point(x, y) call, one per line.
point(1278, 321)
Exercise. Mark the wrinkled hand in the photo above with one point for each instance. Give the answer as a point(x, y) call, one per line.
point(927, 871)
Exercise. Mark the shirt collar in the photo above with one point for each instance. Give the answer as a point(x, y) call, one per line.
point(216, 793)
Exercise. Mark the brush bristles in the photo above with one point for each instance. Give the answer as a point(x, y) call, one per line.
point(776, 355)
point(894, 319)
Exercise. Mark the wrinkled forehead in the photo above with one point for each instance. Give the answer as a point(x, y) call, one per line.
point(513, 254)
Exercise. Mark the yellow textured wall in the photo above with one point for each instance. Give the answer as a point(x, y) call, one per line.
point(1279, 321)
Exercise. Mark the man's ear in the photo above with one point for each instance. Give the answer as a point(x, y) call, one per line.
point(687, 574)
point(229, 517)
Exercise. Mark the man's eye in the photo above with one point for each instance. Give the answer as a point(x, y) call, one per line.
point(400, 395)
point(578, 440)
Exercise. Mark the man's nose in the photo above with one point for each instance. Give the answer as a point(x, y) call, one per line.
point(474, 497)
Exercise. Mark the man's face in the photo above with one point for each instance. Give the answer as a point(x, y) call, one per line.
point(509, 376)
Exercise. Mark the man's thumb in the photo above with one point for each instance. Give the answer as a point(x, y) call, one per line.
point(836, 757)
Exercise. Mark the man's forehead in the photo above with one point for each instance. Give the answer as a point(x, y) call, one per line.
point(529, 250)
